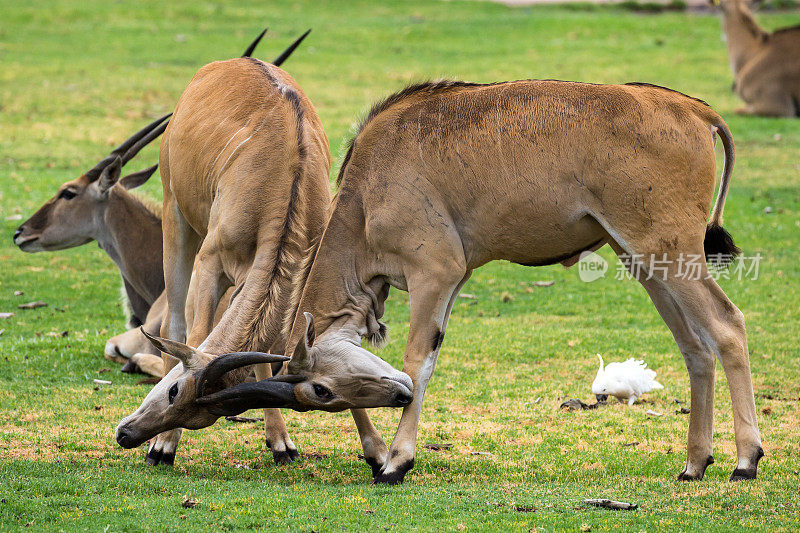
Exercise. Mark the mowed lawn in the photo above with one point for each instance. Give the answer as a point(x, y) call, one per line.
point(77, 77)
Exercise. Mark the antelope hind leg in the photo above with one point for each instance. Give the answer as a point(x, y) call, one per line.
point(710, 311)
point(700, 364)
point(376, 454)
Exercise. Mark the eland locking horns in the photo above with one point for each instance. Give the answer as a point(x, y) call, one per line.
point(441, 178)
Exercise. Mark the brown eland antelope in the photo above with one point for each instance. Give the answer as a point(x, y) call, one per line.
point(766, 66)
point(97, 206)
point(245, 166)
point(444, 177)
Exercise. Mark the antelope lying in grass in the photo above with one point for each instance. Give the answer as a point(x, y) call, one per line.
point(445, 177)
point(766, 66)
point(245, 166)
point(135, 351)
point(97, 206)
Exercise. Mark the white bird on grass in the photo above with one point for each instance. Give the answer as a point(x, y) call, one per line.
point(625, 381)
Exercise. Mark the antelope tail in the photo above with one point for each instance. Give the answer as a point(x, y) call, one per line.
point(718, 244)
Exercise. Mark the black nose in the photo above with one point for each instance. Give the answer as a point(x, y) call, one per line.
point(403, 398)
point(122, 437)
point(601, 397)
point(18, 232)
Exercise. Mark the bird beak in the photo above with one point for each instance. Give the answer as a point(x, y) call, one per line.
point(601, 398)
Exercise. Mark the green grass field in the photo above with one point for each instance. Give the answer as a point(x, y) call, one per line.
point(78, 77)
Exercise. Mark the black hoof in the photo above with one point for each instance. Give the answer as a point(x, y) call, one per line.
point(683, 476)
point(153, 457)
point(286, 457)
point(131, 368)
point(394, 478)
point(168, 459)
point(743, 474)
point(157, 457)
point(375, 466)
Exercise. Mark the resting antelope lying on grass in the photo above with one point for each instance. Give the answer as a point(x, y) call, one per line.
point(445, 177)
point(766, 66)
point(98, 207)
point(245, 166)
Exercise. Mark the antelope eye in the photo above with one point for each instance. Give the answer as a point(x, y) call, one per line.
point(67, 194)
point(323, 393)
point(173, 391)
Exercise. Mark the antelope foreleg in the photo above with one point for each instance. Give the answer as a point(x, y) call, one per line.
point(432, 300)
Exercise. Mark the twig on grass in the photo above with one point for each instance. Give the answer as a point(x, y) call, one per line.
point(611, 504)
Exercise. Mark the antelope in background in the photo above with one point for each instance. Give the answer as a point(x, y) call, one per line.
point(98, 207)
point(444, 177)
point(766, 66)
point(245, 165)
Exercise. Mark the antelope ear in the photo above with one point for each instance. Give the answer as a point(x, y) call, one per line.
point(301, 358)
point(137, 179)
point(191, 358)
point(110, 175)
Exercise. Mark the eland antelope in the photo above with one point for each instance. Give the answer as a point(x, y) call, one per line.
point(245, 166)
point(446, 176)
point(766, 66)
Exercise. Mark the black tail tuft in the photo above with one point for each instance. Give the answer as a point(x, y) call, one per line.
point(719, 247)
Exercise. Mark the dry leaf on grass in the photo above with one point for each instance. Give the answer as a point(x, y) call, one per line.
point(611, 504)
point(32, 305)
point(6, 315)
point(189, 502)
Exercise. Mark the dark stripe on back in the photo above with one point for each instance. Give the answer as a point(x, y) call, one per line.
point(643, 84)
point(282, 253)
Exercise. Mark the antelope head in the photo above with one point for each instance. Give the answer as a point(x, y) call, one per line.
point(71, 217)
point(181, 398)
point(328, 375)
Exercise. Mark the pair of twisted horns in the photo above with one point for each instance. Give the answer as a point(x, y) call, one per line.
point(276, 392)
point(133, 145)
